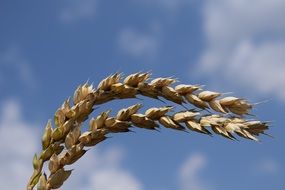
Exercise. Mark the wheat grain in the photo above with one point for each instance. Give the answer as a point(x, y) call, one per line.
point(65, 144)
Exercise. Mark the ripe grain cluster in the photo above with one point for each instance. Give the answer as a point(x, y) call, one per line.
point(66, 143)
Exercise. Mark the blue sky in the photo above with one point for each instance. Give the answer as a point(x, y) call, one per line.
point(48, 48)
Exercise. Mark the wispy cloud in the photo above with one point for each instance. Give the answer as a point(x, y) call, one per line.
point(245, 44)
point(189, 173)
point(267, 166)
point(14, 65)
point(137, 43)
point(103, 170)
point(20, 140)
point(75, 10)
point(18, 144)
point(171, 6)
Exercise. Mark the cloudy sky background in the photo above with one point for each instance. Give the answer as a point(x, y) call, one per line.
point(47, 48)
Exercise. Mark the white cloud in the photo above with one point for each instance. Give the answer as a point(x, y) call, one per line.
point(245, 44)
point(189, 173)
point(113, 180)
point(18, 144)
point(20, 140)
point(13, 64)
point(78, 9)
point(102, 170)
point(168, 5)
point(229, 21)
point(136, 43)
point(267, 166)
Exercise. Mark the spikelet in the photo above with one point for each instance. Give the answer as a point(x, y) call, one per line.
point(134, 79)
point(156, 113)
point(46, 138)
point(208, 95)
point(240, 107)
point(220, 130)
point(167, 122)
point(196, 101)
point(82, 92)
point(65, 107)
point(142, 121)
point(194, 126)
point(42, 185)
point(215, 105)
point(99, 122)
point(101, 97)
point(117, 88)
point(127, 92)
point(134, 109)
point(148, 90)
point(212, 120)
point(72, 137)
point(106, 84)
point(53, 163)
point(256, 127)
point(114, 125)
point(170, 94)
point(184, 89)
point(161, 82)
point(185, 116)
point(228, 101)
point(95, 141)
point(57, 179)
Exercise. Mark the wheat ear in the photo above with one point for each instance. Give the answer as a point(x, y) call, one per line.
point(65, 144)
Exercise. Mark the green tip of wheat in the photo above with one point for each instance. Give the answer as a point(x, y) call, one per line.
point(66, 143)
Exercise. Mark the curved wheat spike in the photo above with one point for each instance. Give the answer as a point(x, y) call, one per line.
point(66, 143)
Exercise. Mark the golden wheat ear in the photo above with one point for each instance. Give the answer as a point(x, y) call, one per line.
point(65, 143)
